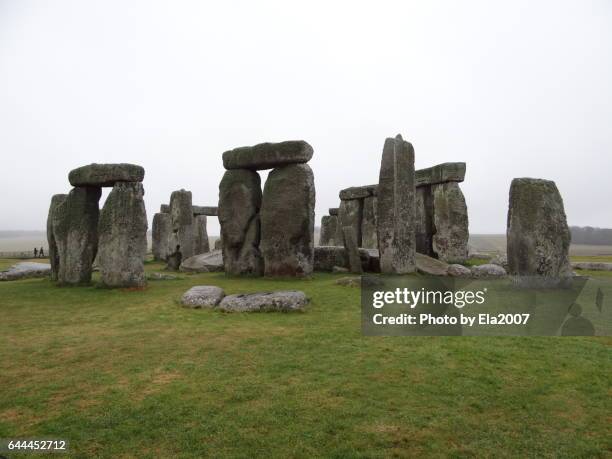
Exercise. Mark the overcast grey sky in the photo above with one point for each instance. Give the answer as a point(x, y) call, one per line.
point(513, 88)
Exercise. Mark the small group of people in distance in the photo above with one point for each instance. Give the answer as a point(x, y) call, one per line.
point(39, 253)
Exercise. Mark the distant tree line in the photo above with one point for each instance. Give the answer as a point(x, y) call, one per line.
point(591, 236)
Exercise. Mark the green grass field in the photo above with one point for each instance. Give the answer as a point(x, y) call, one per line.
point(132, 374)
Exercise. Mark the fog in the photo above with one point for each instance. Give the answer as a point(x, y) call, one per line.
point(514, 89)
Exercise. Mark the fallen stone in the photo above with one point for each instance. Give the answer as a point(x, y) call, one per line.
point(441, 173)
point(161, 277)
point(283, 301)
point(287, 221)
point(333, 211)
point(357, 192)
point(75, 228)
point(206, 210)
point(457, 270)
point(538, 236)
point(450, 219)
point(105, 175)
point(160, 234)
point(25, 270)
point(268, 155)
point(239, 204)
point(123, 237)
point(204, 263)
point(54, 259)
point(592, 266)
point(201, 243)
point(488, 270)
point(431, 266)
point(202, 296)
point(329, 227)
point(328, 257)
point(352, 249)
point(350, 214)
point(182, 238)
point(396, 208)
point(339, 269)
point(349, 281)
point(369, 237)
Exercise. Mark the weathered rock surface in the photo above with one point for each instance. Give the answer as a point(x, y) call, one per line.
point(283, 301)
point(204, 263)
point(333, 211)
point(162, 229)
point(358, 192)
point(54, 260)
point(538, 237)
point(164, 208)
point(218, 244)
point(369, 238)
point(201, 243)
point(268, 155)
point(75, 228)
point(352, 249)
point(25, 270)
point(328, 257)
point(488, 270)
point(239, 205)
point(424, 220)
point(123, 237)
point(592, 266)
point(105, 175)
point(329, 227)
point(396, 208)
point(206, 210)
point(350, 214)
point(287, 221)
point(450, 242)
point(441, 173)
point(202, 296)
point(457, 270)
point(183, 222)
point(431, 266)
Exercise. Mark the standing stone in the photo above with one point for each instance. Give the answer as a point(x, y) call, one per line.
point(369, 239)
point(182, 235)
point(201, 235)
point(123, 237)
point(450, 242)
point(162, 229)
point(352, 249)
point(396, 207)
point(350, 214)
point(75, 228)
point(219, 244)
point(54, 260)
point(538, 235)
point(329, 226)
point(239, 204)
point(287, 221)
point(424, 220)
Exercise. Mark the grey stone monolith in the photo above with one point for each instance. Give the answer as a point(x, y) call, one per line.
point(287, 221)
point(201, 235)
point(369, 239)
point(123, 237)
point(162, 228)
point(450, 215)
point(183, 233)
point(424, 220)
point(352, 249)
point(538, 235)
point(75, 228)
point(239, 206)
point(396, 207)
point(329, 226)
point(54, 260)
point(350, 213)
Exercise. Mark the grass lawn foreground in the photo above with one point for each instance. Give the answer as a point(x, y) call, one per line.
point(124, 373)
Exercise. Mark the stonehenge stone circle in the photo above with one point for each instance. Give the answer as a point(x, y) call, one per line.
point(75, 229)
point(451, 223)
point(181, 213)
point(201, 244)
point(287, 221)
point(396, 208)
point(268, 155)
point(538, 234)
point(105, 175)
point(162, 229)
point(329, 227)
point(54, 259)
point(239, 204)
point(123, 237)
